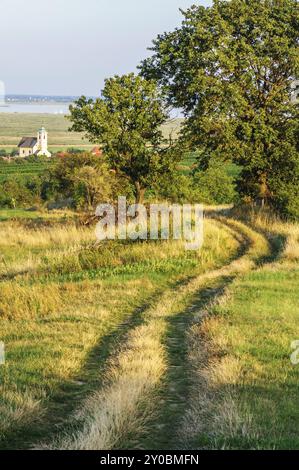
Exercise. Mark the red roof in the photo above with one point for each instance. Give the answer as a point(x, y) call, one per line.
point(61, 154)
point(97, 151)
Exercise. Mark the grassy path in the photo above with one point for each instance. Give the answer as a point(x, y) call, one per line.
point(149, 368)
point(163, 432)
point(244, 388)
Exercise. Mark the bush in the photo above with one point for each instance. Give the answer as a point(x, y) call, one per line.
point(176, 188)
point(286, 202)
point(214, 185)
point(85, 179)
point(14, 153)
point(20, 193)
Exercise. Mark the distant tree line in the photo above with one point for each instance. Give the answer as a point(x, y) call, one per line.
point(12, 153)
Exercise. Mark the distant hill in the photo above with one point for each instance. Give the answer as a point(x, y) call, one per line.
point(38, 99)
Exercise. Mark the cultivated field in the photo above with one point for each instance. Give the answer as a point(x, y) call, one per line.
point(144, 344)
point(23, 169)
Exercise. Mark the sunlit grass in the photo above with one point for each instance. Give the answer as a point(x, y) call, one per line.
point(51, 325)
point(245, 391)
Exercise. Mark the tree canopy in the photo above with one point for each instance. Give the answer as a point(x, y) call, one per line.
point(231, 67)
point(126, 121)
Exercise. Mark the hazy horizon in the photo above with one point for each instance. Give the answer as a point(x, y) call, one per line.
point(68, 48)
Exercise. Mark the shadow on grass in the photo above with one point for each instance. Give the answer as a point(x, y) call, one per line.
point(61, 405)
point(172, 398)
point(276, 241)
point(70, 394)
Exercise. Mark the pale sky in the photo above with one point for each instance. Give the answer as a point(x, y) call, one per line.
point(68, 47)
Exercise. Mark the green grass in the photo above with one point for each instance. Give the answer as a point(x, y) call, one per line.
point(249, 386)
point(190, 160)
point(21, 214)
point(260, 323)
point(78, 319)
point(54, 361)
point(7, 214)
point(188, 163)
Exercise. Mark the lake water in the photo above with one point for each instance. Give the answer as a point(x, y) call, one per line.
point(53, 108)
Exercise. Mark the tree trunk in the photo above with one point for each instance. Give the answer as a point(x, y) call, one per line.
point(139, 193)
point(264, 190)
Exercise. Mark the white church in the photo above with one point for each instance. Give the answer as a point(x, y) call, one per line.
point(35, 145)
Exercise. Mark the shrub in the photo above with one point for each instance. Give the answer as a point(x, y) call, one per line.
point(214, 185)
point(20, 193)
point(84, 178)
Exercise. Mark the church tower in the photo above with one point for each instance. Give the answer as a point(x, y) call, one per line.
point(42, 142)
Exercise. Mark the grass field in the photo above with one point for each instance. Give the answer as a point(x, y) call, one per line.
point(249, 386)
point(146, 345)
point(69, 327)
point(14, 126)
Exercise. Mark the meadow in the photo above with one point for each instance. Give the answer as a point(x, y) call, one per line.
point(16, 125)
point(13, 126)
point(144, 344)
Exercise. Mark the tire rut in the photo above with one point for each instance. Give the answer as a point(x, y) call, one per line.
point(116, 416)
point(163, 430)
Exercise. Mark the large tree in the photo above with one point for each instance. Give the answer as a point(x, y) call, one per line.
point(126, 121)
point(230, 67)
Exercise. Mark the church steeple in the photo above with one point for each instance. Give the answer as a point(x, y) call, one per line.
point(42, 142)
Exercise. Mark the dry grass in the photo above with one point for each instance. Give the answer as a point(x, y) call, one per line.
point(110, 414)
point(49, 333)
point(15, 234)
point(273, 226)
point(63, 250)
point(289, 230)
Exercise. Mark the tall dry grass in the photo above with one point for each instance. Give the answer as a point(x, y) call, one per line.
point(14, 234)
point(289, 230)
point(29, 288)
